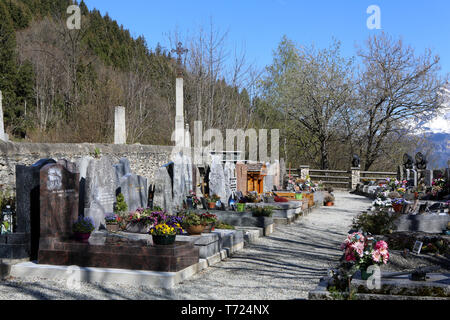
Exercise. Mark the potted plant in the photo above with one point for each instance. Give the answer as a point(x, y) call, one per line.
point(193, 224)
point(164, 234)
point(328, 200)
point(212, 202)
point(209, 220)
point(397, 204)
point(364, 252)
point(83, 228)
point(112, 222)
point(258, 211)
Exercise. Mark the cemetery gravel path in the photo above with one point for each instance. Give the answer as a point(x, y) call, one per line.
point(285, 265)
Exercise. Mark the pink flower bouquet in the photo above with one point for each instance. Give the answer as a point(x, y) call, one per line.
point(364, 251)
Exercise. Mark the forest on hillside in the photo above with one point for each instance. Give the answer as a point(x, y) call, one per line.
point(60, 85)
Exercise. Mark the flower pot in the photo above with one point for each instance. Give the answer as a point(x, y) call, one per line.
point(195, 230)
point(209, 227)
point(112, 227)
point(397, 207)
point(241, 207)
point(83, 237)
point(211, 205)
point(163, 240)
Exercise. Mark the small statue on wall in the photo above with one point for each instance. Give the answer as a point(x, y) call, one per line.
point(421, 161)
point(408, 161)
point(356, 162)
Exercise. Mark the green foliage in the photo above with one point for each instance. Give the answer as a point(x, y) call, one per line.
point(376, 223)
point(192, 219)
point(224, 226)
point(262, 211)
point(121, 205)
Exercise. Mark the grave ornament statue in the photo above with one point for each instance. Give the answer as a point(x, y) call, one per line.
point(356, 162)
point(421, 161)
point(408, 161)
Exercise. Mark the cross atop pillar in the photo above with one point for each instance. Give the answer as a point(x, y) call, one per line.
point(179, 51)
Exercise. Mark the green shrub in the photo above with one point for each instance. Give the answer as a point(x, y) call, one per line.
point(376, 223)
point(224, 226)
point(262, 211)
point(121, 205)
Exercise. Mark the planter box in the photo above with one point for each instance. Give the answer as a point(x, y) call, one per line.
point(243, 219)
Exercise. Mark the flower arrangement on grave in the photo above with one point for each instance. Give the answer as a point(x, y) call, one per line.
point(83, 227)
point(266, 211)
point(111, 219)
point(364, 251)
point(382, 202)
point(397, 204)
point(209, 220)
point(394, 195)
point(195, 200)
point(193, 223)
point(328, 200)
point(112, 222)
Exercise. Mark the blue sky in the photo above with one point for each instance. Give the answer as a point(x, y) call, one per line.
point(259, 24)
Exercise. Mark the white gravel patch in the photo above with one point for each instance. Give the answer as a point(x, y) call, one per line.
point(285, 265)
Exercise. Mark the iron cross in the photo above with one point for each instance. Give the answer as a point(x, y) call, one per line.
point(179, 51)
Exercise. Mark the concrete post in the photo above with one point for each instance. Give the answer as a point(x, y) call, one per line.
point(179, 117)
point(2, 128)
point(120, 129)
point(356, 177)
point(304, 172)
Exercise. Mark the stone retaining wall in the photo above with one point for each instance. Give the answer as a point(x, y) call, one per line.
point(144, 159)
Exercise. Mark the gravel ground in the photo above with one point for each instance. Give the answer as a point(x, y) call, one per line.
point(285, 265)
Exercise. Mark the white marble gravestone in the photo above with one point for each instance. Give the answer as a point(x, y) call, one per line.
point(100, 190)
point(217, 178)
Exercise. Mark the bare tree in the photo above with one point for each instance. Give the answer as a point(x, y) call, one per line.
point(396, 88)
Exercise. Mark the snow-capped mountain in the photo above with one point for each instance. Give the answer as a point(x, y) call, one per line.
point(437, 131)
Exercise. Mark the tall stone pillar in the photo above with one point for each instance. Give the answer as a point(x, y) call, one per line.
point(120, 129)
point(179, 117)
point(2, 127)
point(356, 177)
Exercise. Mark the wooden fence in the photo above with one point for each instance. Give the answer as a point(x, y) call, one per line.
point(340, 178)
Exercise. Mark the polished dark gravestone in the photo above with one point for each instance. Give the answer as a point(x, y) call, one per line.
point(24, 242)
point(59, 192)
